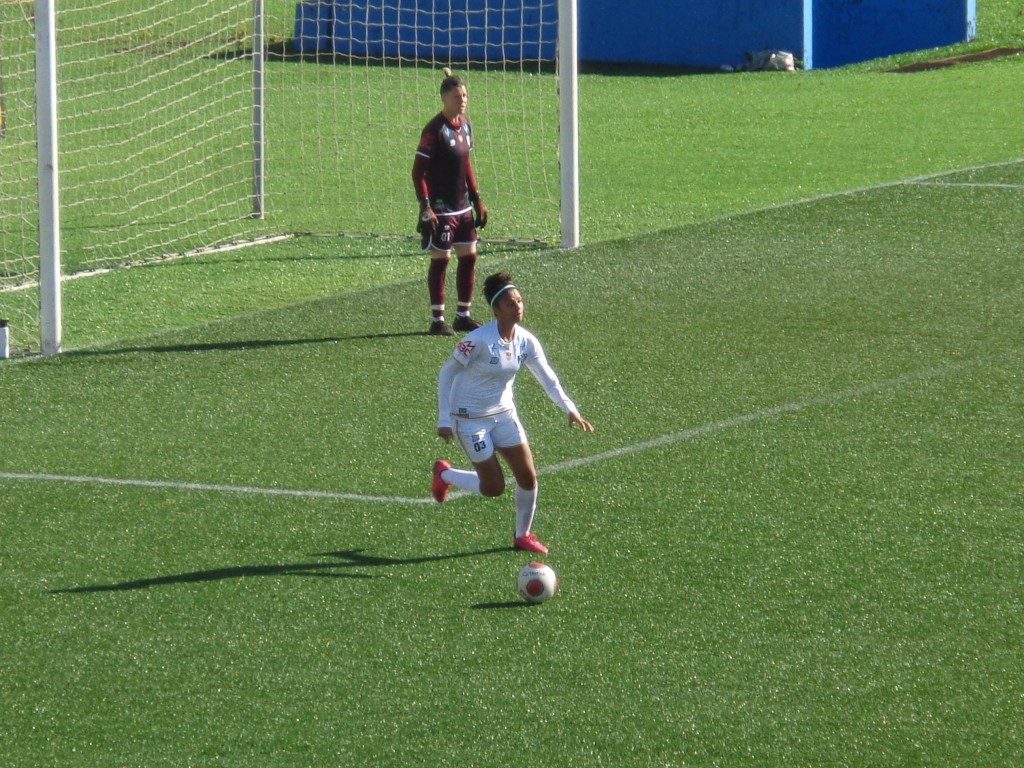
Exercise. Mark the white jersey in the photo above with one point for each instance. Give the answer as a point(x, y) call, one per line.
point(476, 381)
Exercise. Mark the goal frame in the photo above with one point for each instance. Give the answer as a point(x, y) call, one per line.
point(47, 129)
point(48, 177)
point(568, 122)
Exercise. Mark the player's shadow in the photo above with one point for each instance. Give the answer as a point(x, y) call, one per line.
point(338, 567)
point(503, 605)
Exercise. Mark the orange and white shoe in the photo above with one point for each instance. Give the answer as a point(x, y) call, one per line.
point(529, 543)
point(440, 487)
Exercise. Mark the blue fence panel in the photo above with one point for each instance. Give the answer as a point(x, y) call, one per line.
point(481, 30)
point(314, 27)
point(847, 31)
point(697, 33)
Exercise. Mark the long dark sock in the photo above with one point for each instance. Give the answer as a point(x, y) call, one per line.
point(465, 281)
point(435, 286)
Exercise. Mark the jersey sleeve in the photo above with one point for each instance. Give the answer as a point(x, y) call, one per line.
point(419, 178)
point(421, 166)
point(426, 146)
point(465, 350)
point(537, 362)
point(444, 392)
point(460, 358)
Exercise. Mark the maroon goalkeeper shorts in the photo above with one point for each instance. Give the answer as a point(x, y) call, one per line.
point(458, 229)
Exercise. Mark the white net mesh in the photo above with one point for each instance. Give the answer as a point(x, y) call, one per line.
point(360, 80)
point(19, 243)
point(156, 124)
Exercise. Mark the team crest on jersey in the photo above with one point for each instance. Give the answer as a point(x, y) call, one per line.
point(465, 348)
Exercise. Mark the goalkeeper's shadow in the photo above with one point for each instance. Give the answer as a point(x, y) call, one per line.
point(233, 346)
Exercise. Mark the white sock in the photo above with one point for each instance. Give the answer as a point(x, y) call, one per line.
point(526, 506)
point(463, 479)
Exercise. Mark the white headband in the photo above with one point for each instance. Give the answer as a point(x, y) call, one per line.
point(495, 297)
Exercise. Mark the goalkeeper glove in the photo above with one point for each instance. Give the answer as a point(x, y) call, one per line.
point(427, 220)
point(481, 213)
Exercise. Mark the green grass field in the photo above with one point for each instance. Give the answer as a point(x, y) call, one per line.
point(794, 538)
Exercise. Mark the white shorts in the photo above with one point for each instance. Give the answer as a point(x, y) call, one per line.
point(479, 437)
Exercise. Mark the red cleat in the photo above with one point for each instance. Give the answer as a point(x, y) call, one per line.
point(440, 489)
point(529, 543)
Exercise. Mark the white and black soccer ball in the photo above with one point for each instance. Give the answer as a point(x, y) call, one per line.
point(537, 582)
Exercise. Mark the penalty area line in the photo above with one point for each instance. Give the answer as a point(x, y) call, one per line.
point(934, 179)
point(766, 414)
point(250, 490)
point(969, 184)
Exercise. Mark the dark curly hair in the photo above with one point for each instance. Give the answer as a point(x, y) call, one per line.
point(494, 284)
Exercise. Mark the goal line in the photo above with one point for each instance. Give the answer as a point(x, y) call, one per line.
point(935, 179)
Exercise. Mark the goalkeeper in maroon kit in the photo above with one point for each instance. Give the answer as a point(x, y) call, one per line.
point(450, 206)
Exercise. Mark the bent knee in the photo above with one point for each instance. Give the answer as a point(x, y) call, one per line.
point(493, 488)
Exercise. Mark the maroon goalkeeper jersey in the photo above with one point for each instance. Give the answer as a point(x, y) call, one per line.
point(444, 148)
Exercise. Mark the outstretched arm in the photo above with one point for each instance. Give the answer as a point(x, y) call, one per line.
point(545, 375)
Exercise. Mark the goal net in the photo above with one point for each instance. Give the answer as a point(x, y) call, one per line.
point(155, 131)
point(19, 244)
point(156, 125)
point(155, 117)
point(362, 80)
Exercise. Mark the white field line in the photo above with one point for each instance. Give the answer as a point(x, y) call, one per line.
point(208, 487)
point(689, 434)
point(925, 179)
point(227, 247)
point(979, 184)
point(765, 414)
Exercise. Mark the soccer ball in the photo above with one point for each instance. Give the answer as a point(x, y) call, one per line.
point(537, 582)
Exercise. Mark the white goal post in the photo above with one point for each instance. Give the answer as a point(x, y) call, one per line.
point(569, 142)
point(50, 305)
point(183, 126)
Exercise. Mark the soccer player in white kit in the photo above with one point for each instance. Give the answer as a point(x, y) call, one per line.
point(476, 407)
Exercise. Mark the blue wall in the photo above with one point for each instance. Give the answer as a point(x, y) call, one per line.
point(847, 31)
point(697, 33)
point(482, 30)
